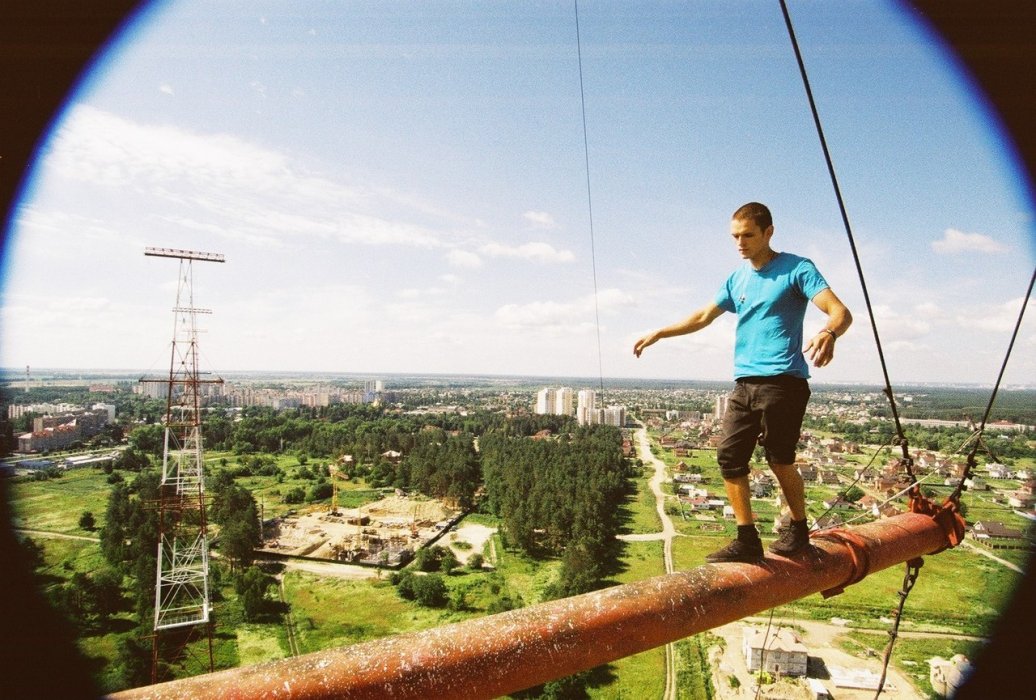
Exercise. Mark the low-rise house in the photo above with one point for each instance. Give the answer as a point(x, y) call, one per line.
point(869, 503)
point(998, 471)
point(829, 477)
point(996, 535)
point(778, 651)
point(692, 492)
point(837, 502)
point(890, 511)
point(1020, 499)
point(976, 483)
point(828, 521)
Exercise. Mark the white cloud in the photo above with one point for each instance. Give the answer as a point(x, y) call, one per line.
point(234, 188)
point(166, 89)
point(1000, 319)
point(536, 250)
point(463, 258)
point(954, 241)
point(540, 219)
point(894, 326)
point(574, 314)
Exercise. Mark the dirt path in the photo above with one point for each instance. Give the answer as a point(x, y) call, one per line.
point(289, 620)
point(330, 568)
point(667, 534)
point(986, 553)
point(57, 535)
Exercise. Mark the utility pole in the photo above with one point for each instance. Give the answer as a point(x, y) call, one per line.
point(182, 597)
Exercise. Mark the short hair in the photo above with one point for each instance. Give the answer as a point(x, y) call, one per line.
point(757, 212)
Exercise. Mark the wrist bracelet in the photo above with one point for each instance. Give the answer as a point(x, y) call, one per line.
point(828, 330)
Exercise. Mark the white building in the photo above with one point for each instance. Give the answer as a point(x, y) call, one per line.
point(564, 401)
point(778, 651)
point(614, 415)
point(586, 407)
point(721, 406)
point(546, 400)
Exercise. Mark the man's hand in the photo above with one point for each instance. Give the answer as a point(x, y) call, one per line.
point(821, 348)
point(649, 339)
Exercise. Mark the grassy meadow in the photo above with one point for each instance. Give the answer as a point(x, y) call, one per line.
point(958, 591)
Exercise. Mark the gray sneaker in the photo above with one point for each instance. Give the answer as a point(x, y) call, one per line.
point(740, 551)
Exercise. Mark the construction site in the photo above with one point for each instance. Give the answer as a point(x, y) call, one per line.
point(381, 533)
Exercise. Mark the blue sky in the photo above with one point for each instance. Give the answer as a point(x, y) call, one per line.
point(402, 187)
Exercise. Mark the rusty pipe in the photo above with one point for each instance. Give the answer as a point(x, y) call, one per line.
point(499, 654)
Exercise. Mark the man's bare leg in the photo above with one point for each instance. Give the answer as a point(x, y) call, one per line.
point(747, 547)
point(796, 536)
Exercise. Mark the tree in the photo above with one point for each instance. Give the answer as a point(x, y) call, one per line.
point(853, 494)
point(252, 586)
point(107, 592)
point(134, 659)
point(33, 552)
point(87, 521)
point(295, 495)
point(430, 591)
point(237, 544)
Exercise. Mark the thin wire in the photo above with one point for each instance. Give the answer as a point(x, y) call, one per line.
point(996, 387)
point(589, 200)
point(848, 231)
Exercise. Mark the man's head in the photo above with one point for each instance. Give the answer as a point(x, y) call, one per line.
point(752, 227)
point(754, 211)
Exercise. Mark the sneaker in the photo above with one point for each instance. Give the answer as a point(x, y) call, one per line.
point(738, 550)
point(790, 539)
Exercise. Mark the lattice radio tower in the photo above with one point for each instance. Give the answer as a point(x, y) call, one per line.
point(182, 607)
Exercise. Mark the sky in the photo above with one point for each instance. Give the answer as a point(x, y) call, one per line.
point(404, 187)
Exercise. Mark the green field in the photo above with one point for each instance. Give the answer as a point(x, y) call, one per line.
point(330, 612)
point(55, 505)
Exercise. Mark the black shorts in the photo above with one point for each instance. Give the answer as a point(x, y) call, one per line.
point(762, 410)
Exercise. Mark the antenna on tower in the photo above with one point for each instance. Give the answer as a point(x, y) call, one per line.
point(182, 601)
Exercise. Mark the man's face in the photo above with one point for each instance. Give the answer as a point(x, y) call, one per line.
point(752, 242)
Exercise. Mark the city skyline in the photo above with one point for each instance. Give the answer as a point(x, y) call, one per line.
point(402, 190)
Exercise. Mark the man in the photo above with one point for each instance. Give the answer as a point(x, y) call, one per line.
point(769, 294)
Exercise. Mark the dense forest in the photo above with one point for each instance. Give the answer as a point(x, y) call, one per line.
point(560, 497)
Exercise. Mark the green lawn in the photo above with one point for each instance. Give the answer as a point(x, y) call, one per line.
point(642, 511)
point(55, 505)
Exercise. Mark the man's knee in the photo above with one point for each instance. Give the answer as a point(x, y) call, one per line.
point(732, 472)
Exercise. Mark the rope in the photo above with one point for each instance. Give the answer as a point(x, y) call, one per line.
point(907, 462)
point(589, 200)
point(971, 462)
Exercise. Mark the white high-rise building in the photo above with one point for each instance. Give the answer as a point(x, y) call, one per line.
point(546, 400)
point(564, 401)
point(614, 415)
point(721, 406)
point(586, 407)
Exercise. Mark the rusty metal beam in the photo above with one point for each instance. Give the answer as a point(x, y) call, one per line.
point(500, 654)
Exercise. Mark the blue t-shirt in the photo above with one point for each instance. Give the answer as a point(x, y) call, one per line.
point(771, 305)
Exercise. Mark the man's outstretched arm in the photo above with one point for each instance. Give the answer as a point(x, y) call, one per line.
point(695, 322)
